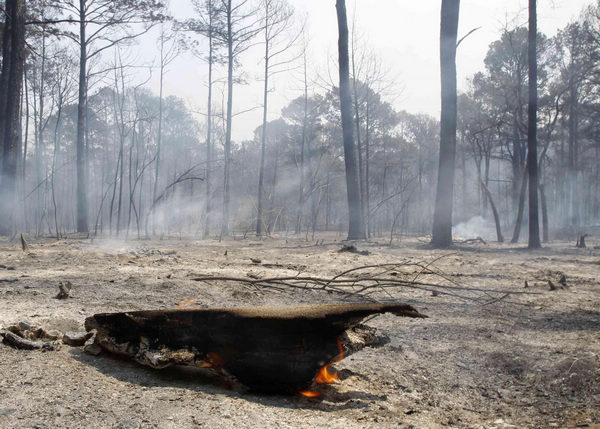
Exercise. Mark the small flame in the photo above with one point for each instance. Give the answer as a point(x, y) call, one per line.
point(213, 360)
point(309, 394)
point(324, 376)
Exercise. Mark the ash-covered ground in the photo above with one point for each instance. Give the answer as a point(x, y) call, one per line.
point(524, 360)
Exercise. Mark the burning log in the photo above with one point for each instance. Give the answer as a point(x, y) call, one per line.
point(268, 349)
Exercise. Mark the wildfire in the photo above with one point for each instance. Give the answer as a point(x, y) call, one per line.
point(324, 376)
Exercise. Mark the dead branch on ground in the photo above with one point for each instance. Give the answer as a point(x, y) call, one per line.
point(376, 282)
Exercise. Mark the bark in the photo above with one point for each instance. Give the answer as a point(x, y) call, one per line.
point(82, 209)
point(302, 146)
point(160, 124)
point(10, 99)
point(226, 173)
point(271, 222)
point(5, 75)
point(534, 226)
point(544, 203)
point(574, 192)
point(488, 194)
point(442, 222)
point(521, 208)
point(54, 155)
point(361, 177)
point(263, 141)
point(207, 174)
point(355, 221)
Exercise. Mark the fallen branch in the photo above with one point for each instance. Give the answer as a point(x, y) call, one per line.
point(471, 241)
point(362, 282)
point(19, 342)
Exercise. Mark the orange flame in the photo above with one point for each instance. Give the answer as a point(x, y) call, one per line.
point(309, 393)
point(213, 360)
point(324, 376)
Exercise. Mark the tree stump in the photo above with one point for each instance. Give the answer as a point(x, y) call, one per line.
point(269, 349)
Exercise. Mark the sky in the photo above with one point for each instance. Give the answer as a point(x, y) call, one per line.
point(403, 34)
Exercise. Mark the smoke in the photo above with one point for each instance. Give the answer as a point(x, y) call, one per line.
point(475, 227)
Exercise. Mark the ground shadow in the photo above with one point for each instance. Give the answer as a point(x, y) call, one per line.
point(578, 320)
point(211, 382)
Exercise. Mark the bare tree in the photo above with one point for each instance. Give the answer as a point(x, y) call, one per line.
point(277, 17)
point(242, 26)
point(102, 24)
point(209, 23)
point(168, 52)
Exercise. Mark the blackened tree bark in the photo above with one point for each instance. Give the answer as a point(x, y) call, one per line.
point(520, 206)
point(209, 150)
point(10, 102)
point(534, 226)
point(82, 209)
point(442, 218)
point(355, 221)
point(228, 120)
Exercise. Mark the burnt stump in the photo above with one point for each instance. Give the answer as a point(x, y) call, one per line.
point(268, 349)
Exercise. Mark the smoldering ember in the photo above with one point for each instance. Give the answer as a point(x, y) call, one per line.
point(291, 213)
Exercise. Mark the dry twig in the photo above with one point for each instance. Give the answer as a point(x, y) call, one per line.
point(377, 282)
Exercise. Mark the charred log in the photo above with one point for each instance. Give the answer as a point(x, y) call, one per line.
point(268, 349)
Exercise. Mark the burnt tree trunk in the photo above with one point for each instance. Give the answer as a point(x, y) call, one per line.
point(263, 140)
point(160, 125)
point(82, 208)
point(228, 123)
point(10, 102)
point(442, 217)
point(521, 208)
point(207, 175)
point(488, 195)
point(355, 221)
point(300, 208)
point(544, 203)
point(367, 200)
point(534, 225)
